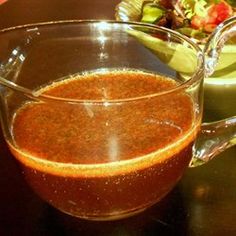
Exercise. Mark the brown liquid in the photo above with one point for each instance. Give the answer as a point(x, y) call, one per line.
point(100, 160)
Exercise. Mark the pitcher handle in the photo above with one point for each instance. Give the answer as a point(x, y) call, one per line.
point(216, 42)
point(214, 138)
point(217, 136)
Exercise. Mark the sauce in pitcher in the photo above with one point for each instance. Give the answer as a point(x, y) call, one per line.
point(108, 157)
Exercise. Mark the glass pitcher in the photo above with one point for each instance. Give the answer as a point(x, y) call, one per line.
point(104, 117)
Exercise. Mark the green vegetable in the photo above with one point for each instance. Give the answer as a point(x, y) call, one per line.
point(183, 59)
point(152, 13)
point(194, 7)
point(192, 33)
point(231, 2)
point(177, 56)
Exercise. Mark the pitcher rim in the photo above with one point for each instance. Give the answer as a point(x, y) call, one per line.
point(194, 78)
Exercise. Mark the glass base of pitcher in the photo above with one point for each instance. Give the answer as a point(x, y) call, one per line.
point(115, 215)
point(112, 217)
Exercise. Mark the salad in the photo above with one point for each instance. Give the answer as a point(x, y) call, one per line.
point(193, 18)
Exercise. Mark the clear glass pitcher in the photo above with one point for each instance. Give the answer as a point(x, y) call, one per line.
point(104, 116)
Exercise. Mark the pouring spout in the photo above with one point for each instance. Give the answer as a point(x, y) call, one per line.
point(216, 42)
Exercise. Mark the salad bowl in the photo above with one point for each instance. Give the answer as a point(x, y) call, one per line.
point(220, 87)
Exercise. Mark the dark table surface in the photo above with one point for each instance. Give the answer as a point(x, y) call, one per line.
point(203, 203)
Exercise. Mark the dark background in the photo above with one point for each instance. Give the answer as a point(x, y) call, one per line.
point(203, 203)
